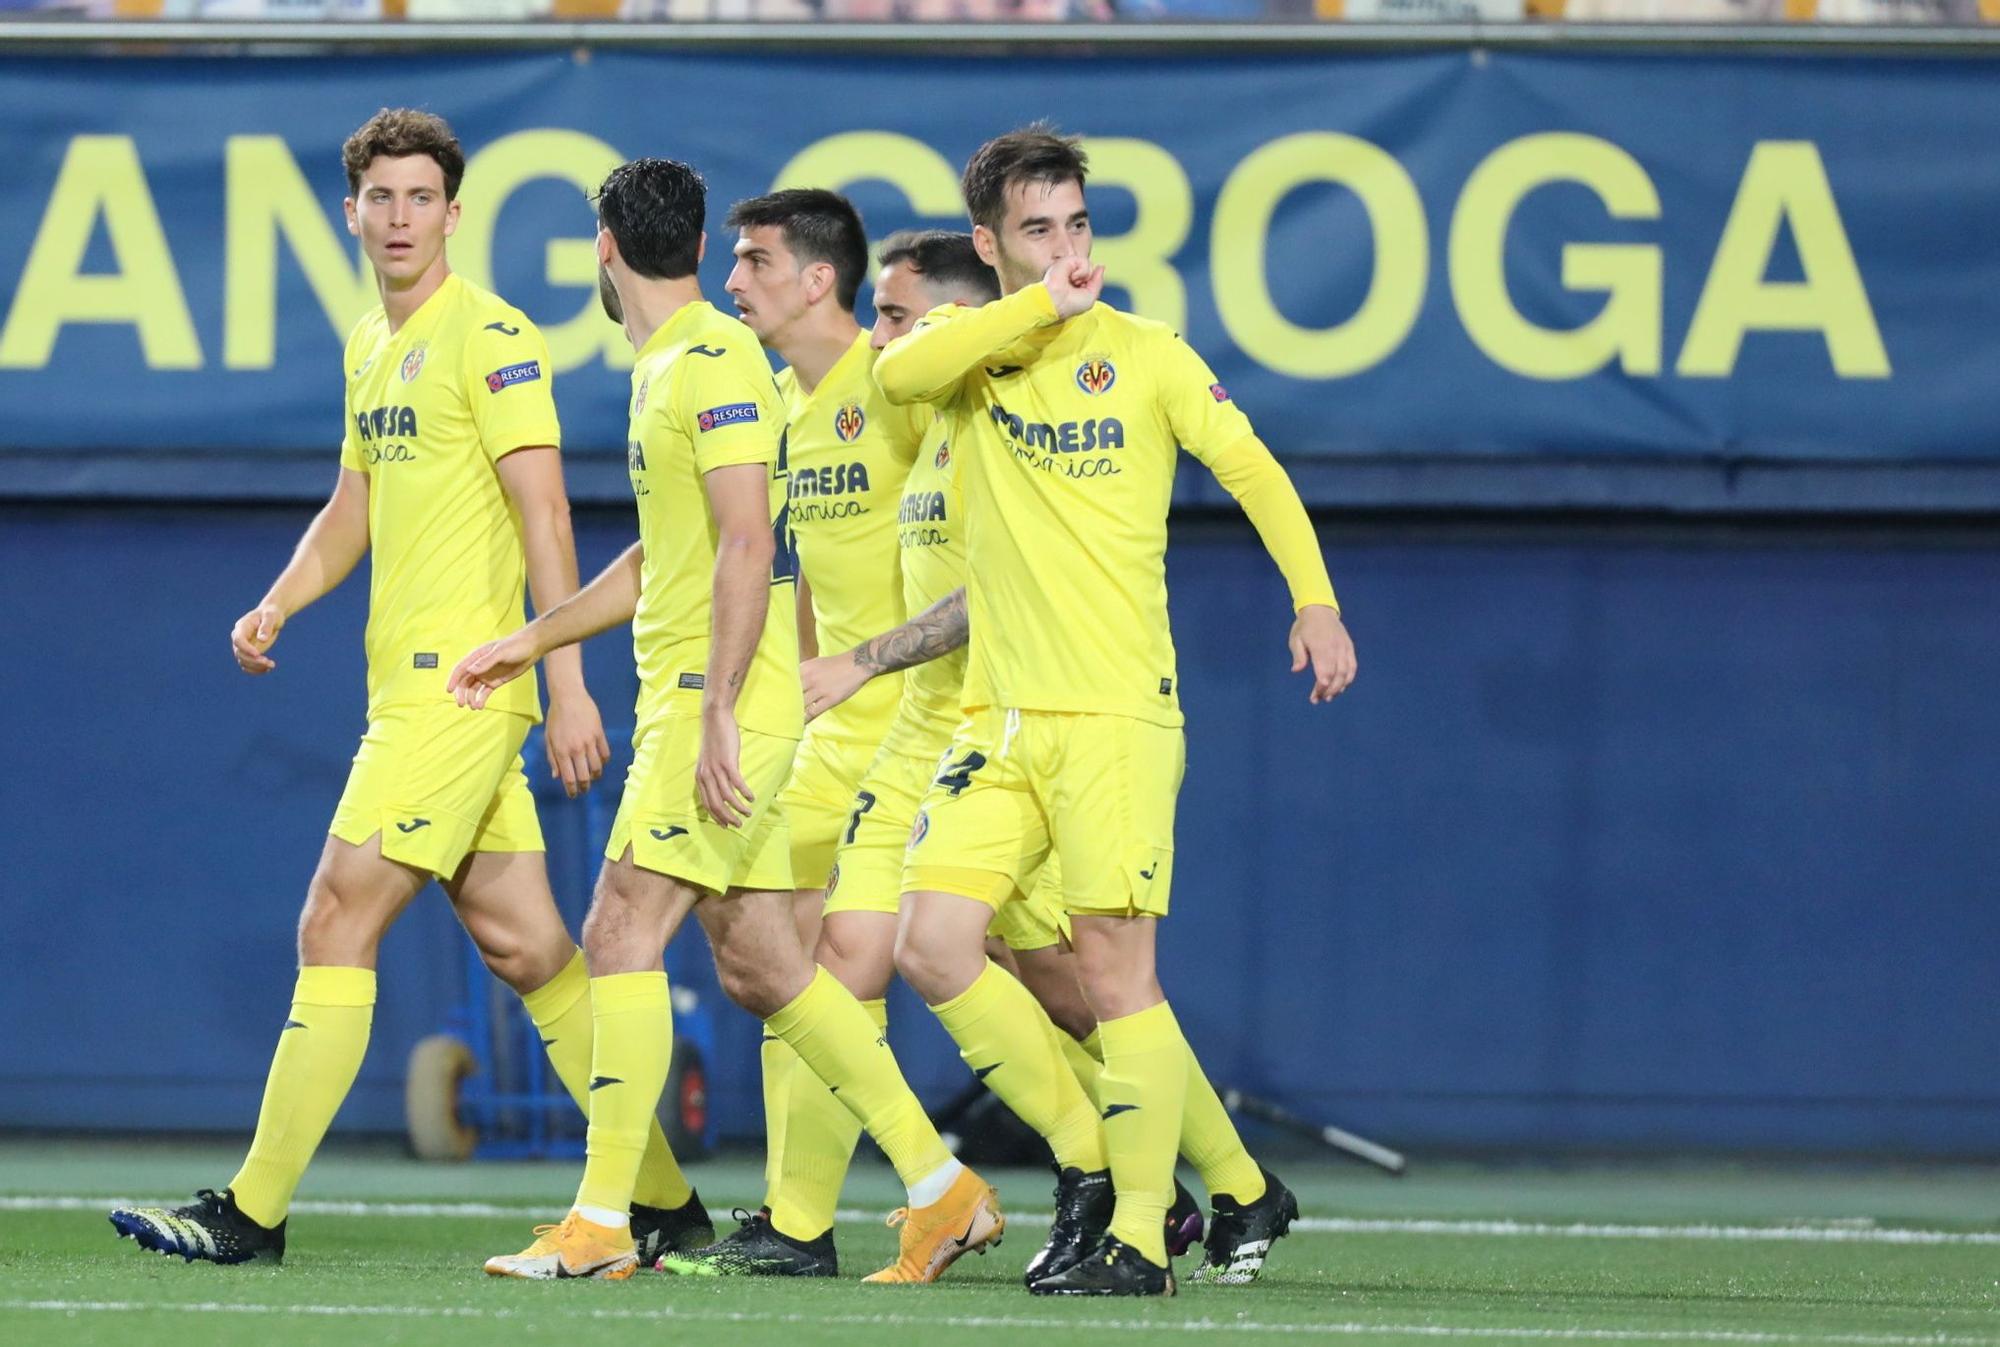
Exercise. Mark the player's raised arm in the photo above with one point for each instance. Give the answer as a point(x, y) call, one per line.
point(1214, 430)
point(739, 497)
point(943, 627)
point(574, 738)
point(604, 603)
point(950, 342)
point(332, 545)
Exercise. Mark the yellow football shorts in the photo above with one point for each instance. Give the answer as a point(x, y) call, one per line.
point(819, 800)
point(1096, 791)
point(439, 781)
point(662, 820)
point(874, 843)
point(1037, 920)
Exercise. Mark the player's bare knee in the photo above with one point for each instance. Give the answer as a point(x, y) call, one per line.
point(337, 924)
point(862, 965)
point(513, 964)
point(1117, 976)
point(932, 967)
point(753, 983)
point(614, 935)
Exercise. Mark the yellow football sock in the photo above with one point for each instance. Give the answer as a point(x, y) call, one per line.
point(632, 1024)
point(837, 1040)
point(1210, 1143)
point(820, 1135)
point(1083, 1062)
point(1208, 1138)
point(1145, 1090)
point(561, 1009)
point(319, 1054)
point(778, 1062)
point(1005, 1036)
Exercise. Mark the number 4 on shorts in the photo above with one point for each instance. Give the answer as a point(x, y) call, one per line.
point(959, 775)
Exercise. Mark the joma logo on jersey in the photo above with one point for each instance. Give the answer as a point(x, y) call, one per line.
point(836, 479)
point(1066, 437)
point(921, 507)
point(1096, 375)
point(373, 425)
point(848, 422)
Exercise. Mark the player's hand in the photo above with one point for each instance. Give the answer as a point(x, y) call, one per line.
point(1319, 638)
point(254, 633)
point(574, 737)
point(1073, 284)
point(493, 665)
point(717, 777)
point(829, 681)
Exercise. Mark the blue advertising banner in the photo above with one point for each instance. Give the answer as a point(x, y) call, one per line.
point(1470, 256)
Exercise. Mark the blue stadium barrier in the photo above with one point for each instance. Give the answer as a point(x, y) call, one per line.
point(1620, 841)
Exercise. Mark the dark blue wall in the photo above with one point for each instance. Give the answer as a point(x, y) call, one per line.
point(1621, 839)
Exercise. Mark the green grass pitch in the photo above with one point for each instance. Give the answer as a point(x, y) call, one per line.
point(1631, 1254)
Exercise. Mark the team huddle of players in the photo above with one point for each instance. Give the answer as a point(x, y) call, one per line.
point(958, 519)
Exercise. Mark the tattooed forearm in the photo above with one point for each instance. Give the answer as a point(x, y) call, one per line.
point(938, 630)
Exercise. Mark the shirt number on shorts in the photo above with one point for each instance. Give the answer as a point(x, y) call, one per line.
point(959, 775)
point(863, 802)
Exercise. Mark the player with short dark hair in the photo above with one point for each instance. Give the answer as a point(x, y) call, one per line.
point(701, 827)
point(1071, 413)
point(800, 259)
point(814, 226)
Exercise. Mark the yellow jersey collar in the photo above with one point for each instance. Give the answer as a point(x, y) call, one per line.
point(670, 331)
point(425, 320)
point(857, 350)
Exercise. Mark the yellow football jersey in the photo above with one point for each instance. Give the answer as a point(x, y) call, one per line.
point(431, 408)
point(848, 451)
point(1066, 451)
point(702, 399)
point(931, 537)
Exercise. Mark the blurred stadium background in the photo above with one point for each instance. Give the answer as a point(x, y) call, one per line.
point(1641, 377)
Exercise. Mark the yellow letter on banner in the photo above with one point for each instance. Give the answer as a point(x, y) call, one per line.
point(1629, 324)
point(1784, 182)
point(269, 197)
point(100, 178)
point(913, 168)
point(491, 177)
point(1239, 236)
point(1141, 259)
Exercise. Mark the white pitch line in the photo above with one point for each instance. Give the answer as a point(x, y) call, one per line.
point(1314, 1225)
point(1800, 1234)
point(1344, 1329)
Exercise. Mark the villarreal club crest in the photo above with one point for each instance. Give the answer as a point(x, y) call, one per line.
point(848, 422)
point(1096, 375)
point(413, 363)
